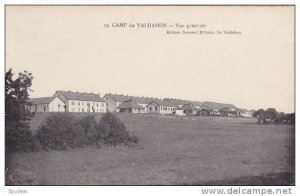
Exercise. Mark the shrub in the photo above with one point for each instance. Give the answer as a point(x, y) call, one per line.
point(112, 130)
point(59, 132)
point(133, 139)
point(87, 128)
point(18, 137)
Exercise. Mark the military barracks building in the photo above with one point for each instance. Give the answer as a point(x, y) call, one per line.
point(67, 101)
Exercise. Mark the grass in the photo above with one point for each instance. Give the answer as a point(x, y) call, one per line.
point(171, 151)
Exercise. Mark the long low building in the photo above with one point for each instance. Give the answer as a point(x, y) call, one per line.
point(161, 107)
point(82, 102)
point(67, 101)
point(46, 104)
point(130, 106)
point(114, 101)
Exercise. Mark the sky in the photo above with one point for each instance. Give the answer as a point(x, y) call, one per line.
point(68, 48)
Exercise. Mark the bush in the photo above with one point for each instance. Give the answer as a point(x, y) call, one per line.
point(87, 128)
point(59, 132)
point(133, 139)
point(18, 137)
point(112, 130)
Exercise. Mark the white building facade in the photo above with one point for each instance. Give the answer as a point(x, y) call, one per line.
point(86, 106)
point(82, 102)
point(57, 105)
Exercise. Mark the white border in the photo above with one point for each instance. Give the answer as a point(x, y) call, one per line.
point(124, 190)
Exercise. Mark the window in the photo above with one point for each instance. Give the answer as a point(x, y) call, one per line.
point(73, 103)
point(97, 104)
point(82, 110)
point(82, 103)
point(93, 103)
point(78, 102)
point(102, 104)
point(155, 108)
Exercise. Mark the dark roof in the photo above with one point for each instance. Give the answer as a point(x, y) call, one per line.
point(144, 100)
point(218, 106)
point(177, 101)
point(197, 103)
point(130, 104)
point(139, 100)
point(68, 95)
point(244, 110)
point(64, 99)
point(205, 107)
point(188, 106)
point(163, 103)
point(118, 98)
point(41, 100)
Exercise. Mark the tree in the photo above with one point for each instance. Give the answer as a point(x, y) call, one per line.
point(272, 114)
point(17, 133)
point(260, 115)
point(17, 96)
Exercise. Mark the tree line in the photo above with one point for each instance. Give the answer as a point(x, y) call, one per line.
point(271, 115)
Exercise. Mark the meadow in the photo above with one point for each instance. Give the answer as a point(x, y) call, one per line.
point(171, 151)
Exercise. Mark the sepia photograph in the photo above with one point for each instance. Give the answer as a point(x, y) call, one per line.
point(119, 95)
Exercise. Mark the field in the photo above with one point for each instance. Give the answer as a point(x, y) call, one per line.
point(171, 151)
